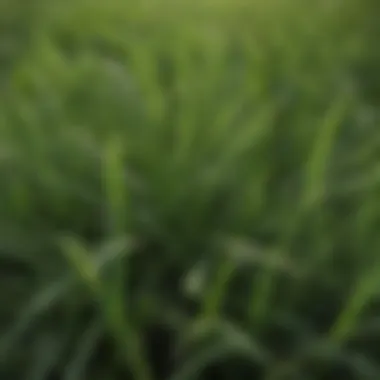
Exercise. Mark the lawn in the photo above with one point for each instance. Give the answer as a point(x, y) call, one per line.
point(189, 190)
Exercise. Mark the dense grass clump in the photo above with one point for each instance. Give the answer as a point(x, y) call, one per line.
point(189, 190)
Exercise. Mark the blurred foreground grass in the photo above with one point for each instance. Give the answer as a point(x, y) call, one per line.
point(189, 190)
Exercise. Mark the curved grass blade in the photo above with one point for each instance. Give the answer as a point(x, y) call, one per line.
point(37, 306)
point(112, 309)
point(76, 368)
point(347, 322)
point(219, 340)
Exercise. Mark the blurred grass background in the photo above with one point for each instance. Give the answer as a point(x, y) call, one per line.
point(189, 190)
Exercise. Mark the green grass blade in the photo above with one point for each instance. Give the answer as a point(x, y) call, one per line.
point(116, 319)
point(348, 320)
point(77, 366)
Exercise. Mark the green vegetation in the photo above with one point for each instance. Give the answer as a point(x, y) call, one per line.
point(189, 190)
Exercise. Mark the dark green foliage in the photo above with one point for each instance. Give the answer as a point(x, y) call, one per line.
point(189, 190)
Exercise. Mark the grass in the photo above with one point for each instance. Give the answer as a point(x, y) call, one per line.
point(189, 190)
